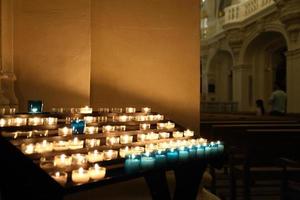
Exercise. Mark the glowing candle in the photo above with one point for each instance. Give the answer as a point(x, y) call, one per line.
point(123, 118)
point(147, 161)
point(169, 125)
point(126, 139)
point(163, 145)
point(35, 121)
point(108, 128)
point(141, 118)
point(132, 164)
point(62, 161)
point(75, 144)
point(80, 176)
point(112, 140)
point(95, 156)
point(110, 154)
point(183, 154)
point(164, 135)
point(137, 150)
point(152, 136)
point(90, 143)
point(177, 134)
point(43, 147)
point(141, 137)
point(91, 130)
point(79, 159)
point(130, 110)
point(60, 177)
point(188, 133)
point(86, 110)
point(150, 147)
point(146, 110)
point(60, 145)
point(120, 128)
point(18, 121)
point(160, 158)
point(50, 121)
point(27, 148)
point(96, 172)
point(65, 131)
point(124, 151)
point(160, 126)
point(5, 122)
point(172, 156)
point(90, 119)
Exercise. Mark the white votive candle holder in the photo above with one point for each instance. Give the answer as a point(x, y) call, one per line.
point(90, 143)
point(188, 133)
point(110, 154)
point(112, 140)
point(35, 121)
point(86, 110)
point(152, 136)
point(123, 118)
point(62, 161)
point(91, 130)
point(79, 159)
point(177, 134)
point(96, 172)
point(94, 156)
point(137, 150)
point(130, 110)
point(146, 110)
point(28, 148)
point(50, 121)
point(145, 126)
point(60, 145)
point(43, 147)
point(124, 151)
point(60, 177)
point(164, 135)
point(150, 147)
point(65, 131)
point(126, 139)
point(80, 176)
point(76, 144)
point(19, 121)
point(141, 137)
point(108, 128)
point(90, 119)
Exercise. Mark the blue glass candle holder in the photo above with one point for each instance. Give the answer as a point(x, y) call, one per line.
point(183, 154)
point(172, 156)
point(147, 161)
point(200, 152)
point(160, 159)
point(78, 126)
point(132, 164)
point(208, 151)
point(220, 147)
point(35, 106)
point(192, 152)
point(213, 149)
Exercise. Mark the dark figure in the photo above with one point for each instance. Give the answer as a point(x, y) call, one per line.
point(278, 101)
point(260, 107)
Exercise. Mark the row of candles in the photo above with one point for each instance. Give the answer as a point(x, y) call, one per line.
point(88, 110)
point(61, 145)
point(31, 121)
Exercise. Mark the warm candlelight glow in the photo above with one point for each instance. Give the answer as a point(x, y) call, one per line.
point(60, 145)
point(145, 126)
point(110, 154)
point(91, 130)
point(177, 134)
point(86, 110)
point(108, 128)
point(75, 144)
point(60, 177)
point(80, 176)
point(62, 161)
point(96, 172)
point(112, 140)
point(90, 143)
point(65, 131)
point(50, 121)
point(35, 121)
point(188, 133)
point(126, 139)
point(95, 156)
point(130, 110)
point(43, 147)
point(146, 110)
point(28, 148)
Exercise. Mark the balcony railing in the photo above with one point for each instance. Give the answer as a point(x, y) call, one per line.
point(239, 12)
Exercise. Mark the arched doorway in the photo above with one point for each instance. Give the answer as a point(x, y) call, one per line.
point(265, 54)
point(220, 77)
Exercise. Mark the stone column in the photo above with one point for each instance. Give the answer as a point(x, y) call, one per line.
point(7, 73)
point(241, 92)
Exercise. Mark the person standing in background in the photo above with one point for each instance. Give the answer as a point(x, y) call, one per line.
point(278, 101)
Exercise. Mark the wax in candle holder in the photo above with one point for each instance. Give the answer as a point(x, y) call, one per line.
point(146, 110)
point(58, 110)
point(120, 128)
point(177, 134)
point(160, 158)
point(18, 121)
point(50, 121)
point(43, 147)
point(5, 122)
point(130, 110)
point(46, 163)
point(103, 110)
point(163, 145)
point(86, 110)
point(123, 118)
point(124, 151)
point(35, 106)
point(145, 127)
point(158, 117)
point(102, 119)
point(90, 143)
point(28, 148)
point(107, 129)
point(76, 144)
point(35, 121)
point(183, 154)
point(132, 164)
point(95, 156)
point(152, 136)
point(60, 145)
point(91, 130)
point(110, 154)
point(79, 159)
point(164, 135)
point(141, 118)
point(141, 137)
point(147, 161)
point(172, 155)
point(60, 177)
point(80, 176)
point(137, 150)
point(65, 131)
point(90, 119)
point(126, 139)
point(150, 147)
point(116, 110)
point(112, 140)
point(62, 161)
point(96, 172)
point(78, 126)
point(201, 141)
point(188, 133)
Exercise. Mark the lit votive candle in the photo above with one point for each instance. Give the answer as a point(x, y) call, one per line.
point(35, 121)
point(183, 154)
point(207, 150)
point(126, 139)
point(201, 141)
point(141, 137)
point(108, 128)
point(120, 128)
point(132, 164)
point(27, 148)
point(110, 154)
point(172, 155)
point(163, 145)
point(124, 151)
point(150, 147)
point(62, 161)
point(137, 150)
point(152, 136)
point(164, 135)
point(123, 118)
point(200, 151)
point(60, 145)
point(112, 140)
point(220, 147)
point(169, 125)
point(160, 126)
point(60, 177)
point(160, 158)
point(90, 143)
point(177, 134)
point(18, 121)
point(146, 110)
point(50, 121)
point(151, 118)
point(75, 144)
point(141, 118)
point(79, 159)
point(192, 152)
point(46, 163)
point(94, 156)
point(147, 161)
point(5, 122)
point(80, 176)
point(130, 110)
point(78, 126)
point(65, 131)
point(90, 119)
point(96, 172)
point(145, 126)
point(91, 130)
point(86, 110)
point(43, 147)
point(188, 133)
point(159, 117)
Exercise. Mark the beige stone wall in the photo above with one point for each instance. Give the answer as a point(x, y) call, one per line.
point(52, 51)
point(147, 53)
